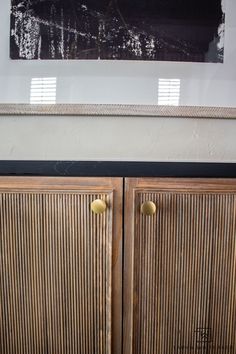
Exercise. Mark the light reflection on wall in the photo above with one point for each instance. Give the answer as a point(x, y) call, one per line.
point(168, 92)
point(43, 90)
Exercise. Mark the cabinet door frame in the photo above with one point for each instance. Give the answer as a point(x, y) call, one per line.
point(93, 185)
point(131, 207)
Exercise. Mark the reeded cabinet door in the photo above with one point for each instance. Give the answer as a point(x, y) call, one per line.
point(180, 266)
point(60, 266)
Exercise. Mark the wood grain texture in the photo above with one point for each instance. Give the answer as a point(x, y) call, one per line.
point(60, 266)
point(180, 267)
point(117, 110)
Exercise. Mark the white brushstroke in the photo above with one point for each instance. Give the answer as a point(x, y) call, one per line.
point(223, 6)
point(221, 36)
point(221, 33)
point(61, 44)
point(27, 34)
point(150, 48)
point(39, 47)
point(52, 33)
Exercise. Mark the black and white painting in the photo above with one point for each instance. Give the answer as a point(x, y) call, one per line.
point(160, 30)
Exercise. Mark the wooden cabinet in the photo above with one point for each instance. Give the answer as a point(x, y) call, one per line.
point(62, 274)
point(180, 267)
point(60, 266)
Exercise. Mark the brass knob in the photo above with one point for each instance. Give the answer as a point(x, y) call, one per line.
point(98, 206)
point(148, 208)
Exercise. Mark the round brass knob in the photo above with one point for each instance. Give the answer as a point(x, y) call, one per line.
point(148, 208)
point(98, 206)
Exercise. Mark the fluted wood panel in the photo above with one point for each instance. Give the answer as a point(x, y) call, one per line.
point(55, 272)
point(182, 269)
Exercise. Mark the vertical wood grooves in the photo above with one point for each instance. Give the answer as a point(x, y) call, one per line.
point(184, 270)
point(55, 273)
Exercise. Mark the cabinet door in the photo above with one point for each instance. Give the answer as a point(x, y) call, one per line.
point(180, 267)
point(60, 266)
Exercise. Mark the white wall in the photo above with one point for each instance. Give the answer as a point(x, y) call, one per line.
point(99, 138)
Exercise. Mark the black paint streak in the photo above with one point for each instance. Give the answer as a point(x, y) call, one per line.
point(173, 30)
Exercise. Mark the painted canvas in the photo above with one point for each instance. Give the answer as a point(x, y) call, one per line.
point(155, 30)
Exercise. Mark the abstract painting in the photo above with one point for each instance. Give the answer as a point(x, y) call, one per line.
point(154, 30)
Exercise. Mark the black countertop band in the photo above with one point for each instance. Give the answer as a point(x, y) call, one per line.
point(117, 169)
